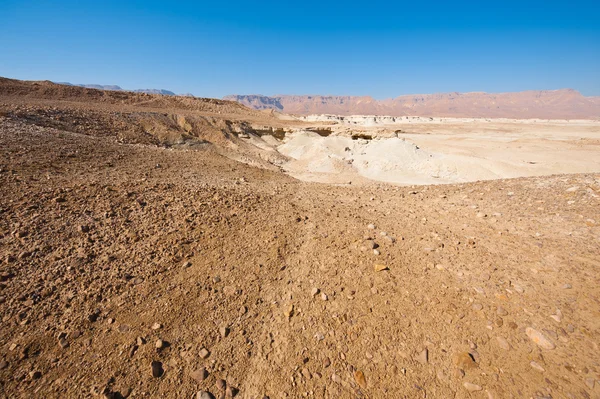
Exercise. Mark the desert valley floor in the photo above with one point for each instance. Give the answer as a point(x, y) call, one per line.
point(156, 247)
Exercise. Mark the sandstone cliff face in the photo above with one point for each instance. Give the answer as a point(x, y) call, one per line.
point(549, 104)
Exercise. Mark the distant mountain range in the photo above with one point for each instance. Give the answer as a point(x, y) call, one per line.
point(545, 104)
point(118, 88)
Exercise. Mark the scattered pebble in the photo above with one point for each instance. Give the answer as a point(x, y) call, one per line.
point(204, 395)
point(35, 375)
point(204, 353)
point(423, 357)
point(590, 382)
point(379, 267)
point(324, 296)
point(221, 384)
point(159, 344)
point(471, 387)
point(537, 367)
point(230, 391)
point(371, 226)
point(501, 311)
point(464, 361)
point(63, 343)
point(540, 339)
point(314, 291)
point(503, 343)
point(156, 326)
point(199, 375)
point(360, 379)
point(157, 369)
point(289, 311)
point(224, 331)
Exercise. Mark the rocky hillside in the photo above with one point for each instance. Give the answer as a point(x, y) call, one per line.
point(119, 88)
point(547, 104)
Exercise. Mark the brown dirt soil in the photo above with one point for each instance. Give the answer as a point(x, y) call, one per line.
point(108, 245)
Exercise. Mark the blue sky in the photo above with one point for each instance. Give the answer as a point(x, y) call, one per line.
point(312, 47)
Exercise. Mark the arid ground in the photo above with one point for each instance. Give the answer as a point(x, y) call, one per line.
point(154, 247)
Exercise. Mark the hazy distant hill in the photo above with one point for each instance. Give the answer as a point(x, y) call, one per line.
point(564, 103)
point(118, 88)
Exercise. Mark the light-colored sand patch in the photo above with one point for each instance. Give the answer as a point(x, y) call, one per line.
point(457, 154)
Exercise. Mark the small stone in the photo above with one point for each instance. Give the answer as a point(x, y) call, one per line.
point(519, 289)
point(464, 361)
point(35, 375)
point(423, 357)
point(157, 369)
point(3, 364)
point(336, 378)
point(326, 362)
point(230, 391)
point(199, 375)
point(503, 343)
point(289, 311)
point(156, 326)
point(376, 252)
point(501, 311)
point(370, 244)
point(567, 286)
point(477, 306)
point(63, 343)
point(84, 229)
point(138, 280)
point(360, 379)
point(216, 279)
point(159, 344)
point(314, 292)
point(590, 382)
point(306, 373)
point(204, 395)
point(224, 331)
point(324, 296)
point(221, 384)
point(540, 339)
point(471, 387)
point(140, 341)
point(536, 366)
point(204, 353)
point(379, 267)
point(187, 264)
point(371, 226)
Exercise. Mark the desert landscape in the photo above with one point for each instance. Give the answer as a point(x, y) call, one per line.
point(158, 246)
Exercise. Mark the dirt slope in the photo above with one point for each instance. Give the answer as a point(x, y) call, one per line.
point(119, 254)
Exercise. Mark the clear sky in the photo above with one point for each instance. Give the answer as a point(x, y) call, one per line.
point(378, 48)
